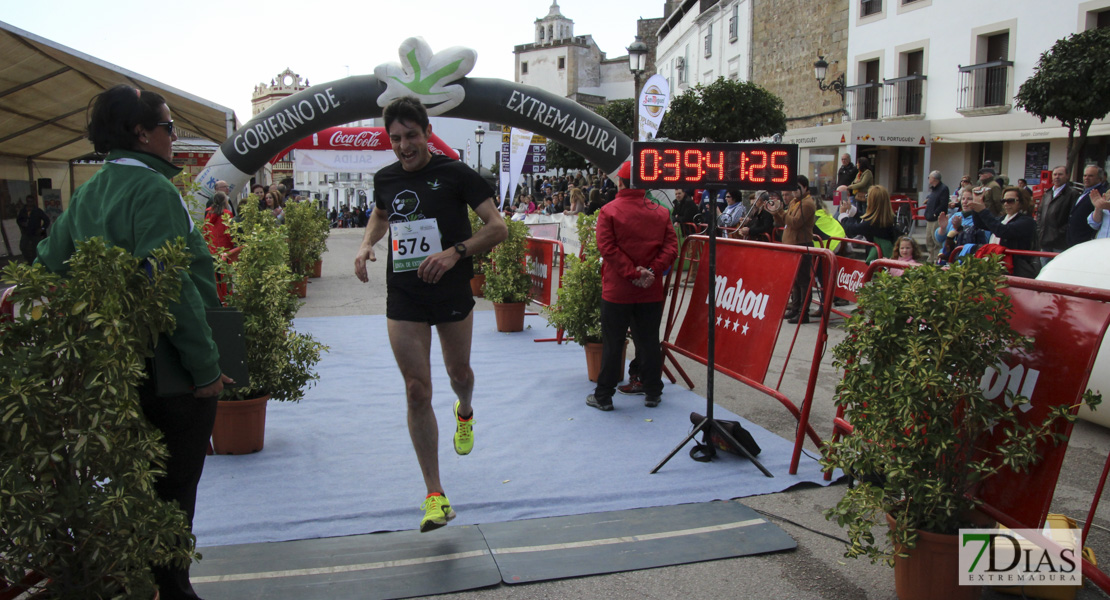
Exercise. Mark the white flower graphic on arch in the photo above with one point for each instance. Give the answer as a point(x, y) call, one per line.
point(426, 75)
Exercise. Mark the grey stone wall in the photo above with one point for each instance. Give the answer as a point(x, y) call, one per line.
point(787, 37)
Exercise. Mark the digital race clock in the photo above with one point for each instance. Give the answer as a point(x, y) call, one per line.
point(711, 165)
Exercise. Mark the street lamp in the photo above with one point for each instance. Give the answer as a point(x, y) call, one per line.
point(637, 63)
point(479, 134)
point(820, 68)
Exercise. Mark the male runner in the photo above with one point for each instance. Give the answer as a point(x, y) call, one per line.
point(422, 200)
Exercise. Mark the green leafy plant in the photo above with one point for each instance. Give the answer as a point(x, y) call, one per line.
point(307, 229)
point(577, 310)
point(1077, 62)
point(507, 278)
point(724, 111)
point(913, 358)
point(481, 260)
point(279, 359)
point(77, 503)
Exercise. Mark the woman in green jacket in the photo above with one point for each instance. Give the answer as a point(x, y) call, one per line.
point(131, 203)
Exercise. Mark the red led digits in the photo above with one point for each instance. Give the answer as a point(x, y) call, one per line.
point(672, 165)
point(692, 164)
point(713, 165)
point(719, 165)
point(762, 175)
point(651, 156)
point(779, 167)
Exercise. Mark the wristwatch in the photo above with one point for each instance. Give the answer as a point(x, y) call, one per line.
point(461, 249)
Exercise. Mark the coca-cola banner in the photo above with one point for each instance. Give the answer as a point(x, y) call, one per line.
point(439, 80)
point(362, 138)
point(751, 290)
point(849, 276)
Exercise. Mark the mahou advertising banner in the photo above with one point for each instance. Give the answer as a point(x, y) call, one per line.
point(654, 99)
point(1066, 332)
point(751, 289)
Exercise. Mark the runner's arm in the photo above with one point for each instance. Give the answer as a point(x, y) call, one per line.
point(375, 231)
point(492, 233)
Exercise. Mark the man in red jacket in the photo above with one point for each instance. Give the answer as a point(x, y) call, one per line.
point(637, 245)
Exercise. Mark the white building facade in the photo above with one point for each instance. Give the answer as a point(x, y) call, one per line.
point(697, 46)
point(570, 66)
point(931, 85)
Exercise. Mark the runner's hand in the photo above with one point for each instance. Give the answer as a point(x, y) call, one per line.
point(433, 267)
point(365, 253)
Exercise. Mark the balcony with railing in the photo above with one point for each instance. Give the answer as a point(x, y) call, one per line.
point(904, 97)
point(862, 101)
point(984, 89)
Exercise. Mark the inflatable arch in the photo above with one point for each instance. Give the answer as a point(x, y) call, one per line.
point(439, 81)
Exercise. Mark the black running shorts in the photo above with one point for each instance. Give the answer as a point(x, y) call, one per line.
point(449, 304)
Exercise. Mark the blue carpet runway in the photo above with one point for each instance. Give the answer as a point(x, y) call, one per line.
point(340, 462)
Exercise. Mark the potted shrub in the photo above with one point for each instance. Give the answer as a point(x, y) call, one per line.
point(306, 244)
point(913, 359)
point(279, 359)
point(77, 503)
point(508, 284)
point(481, 260)
point(577, 310)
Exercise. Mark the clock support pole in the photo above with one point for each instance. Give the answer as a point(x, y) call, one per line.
point(705, 451)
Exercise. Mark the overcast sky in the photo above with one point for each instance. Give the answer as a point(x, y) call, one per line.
point(220, 49)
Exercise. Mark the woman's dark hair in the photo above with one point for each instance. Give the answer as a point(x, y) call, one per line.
point(864, 164)
point(406, 109)
point(736, 197)
point(219, 202)
point(114, 113)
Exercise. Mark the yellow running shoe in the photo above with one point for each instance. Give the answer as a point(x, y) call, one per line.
point(437, 512)
point(464, 432)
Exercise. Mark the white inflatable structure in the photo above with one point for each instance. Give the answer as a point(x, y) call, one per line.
point(1087, 265)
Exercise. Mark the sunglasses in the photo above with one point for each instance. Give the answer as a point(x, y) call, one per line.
point(167, 124)
point(1009, 200)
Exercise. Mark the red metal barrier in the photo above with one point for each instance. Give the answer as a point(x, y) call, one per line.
point(543, 255)
point(541, 259)
point(753, 282)
point(1067, 324)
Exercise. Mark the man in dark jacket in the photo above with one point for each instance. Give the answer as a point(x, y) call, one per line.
point(935, 205)
point(847, 172)
point(1052, 220)
point(637, 244)
point(685, 208)
point(1078, 229)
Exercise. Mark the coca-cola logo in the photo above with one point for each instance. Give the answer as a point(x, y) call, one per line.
point(849, 280)
point(362, 139)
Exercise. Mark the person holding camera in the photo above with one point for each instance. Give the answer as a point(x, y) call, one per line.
point(798, 218)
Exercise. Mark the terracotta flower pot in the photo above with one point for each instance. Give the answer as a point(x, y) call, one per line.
point(932, 569)
point(317, 269)
point(476, 284)
point(240, 426)
point(300, 288)
point(510, 316)
point(593, 359)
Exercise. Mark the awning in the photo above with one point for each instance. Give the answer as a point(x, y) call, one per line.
point(45, 89)
point(1015, 135)
point(872, 133)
